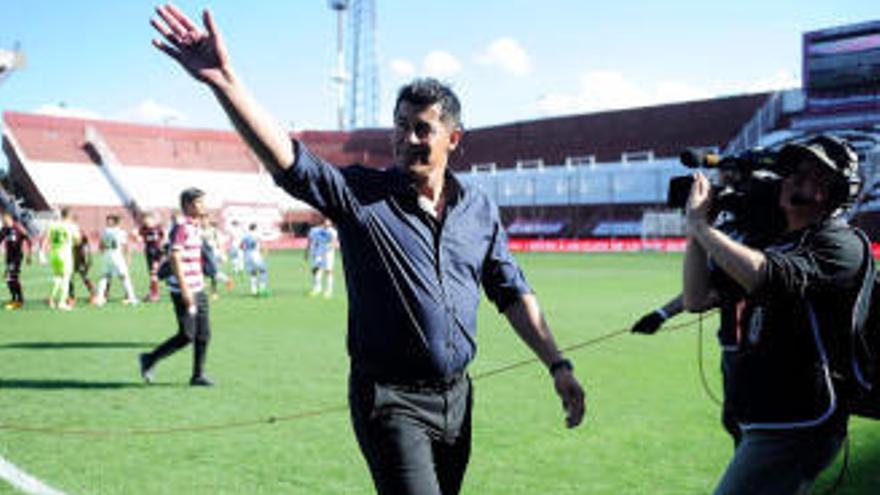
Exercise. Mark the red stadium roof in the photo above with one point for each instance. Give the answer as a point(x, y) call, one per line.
point(62, 139)
point(665, 129)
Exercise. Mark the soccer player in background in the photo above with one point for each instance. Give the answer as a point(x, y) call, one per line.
point(321, 254)
point(254, 262)
point(187, 287)
point(236, 257)
point(82, 263)
point(151, 235)
point(114, 246)
point(14, 237)
point(213, 237)
point(61, 234)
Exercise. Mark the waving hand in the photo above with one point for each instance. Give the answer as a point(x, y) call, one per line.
point(202, 53)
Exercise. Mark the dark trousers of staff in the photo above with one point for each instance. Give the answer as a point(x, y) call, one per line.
point(416, 437)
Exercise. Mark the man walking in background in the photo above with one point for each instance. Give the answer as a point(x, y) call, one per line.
point(187, 286)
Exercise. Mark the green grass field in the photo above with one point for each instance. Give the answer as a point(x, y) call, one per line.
point(650, 426)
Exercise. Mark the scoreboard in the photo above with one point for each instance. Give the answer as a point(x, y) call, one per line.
point(842, 62)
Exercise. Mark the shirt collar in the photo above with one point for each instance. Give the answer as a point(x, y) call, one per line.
point(403, 186)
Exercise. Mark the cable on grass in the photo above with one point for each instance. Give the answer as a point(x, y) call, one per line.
point(271, 420)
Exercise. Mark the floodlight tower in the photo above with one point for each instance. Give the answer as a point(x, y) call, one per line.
point(339, 79)
point(363, 90)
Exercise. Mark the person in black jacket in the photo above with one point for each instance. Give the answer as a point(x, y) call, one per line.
point(786, 348)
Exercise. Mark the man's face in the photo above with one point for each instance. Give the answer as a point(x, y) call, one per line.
point(806, 186)
point(422, 139)
point(7, 220)
point(196, 208)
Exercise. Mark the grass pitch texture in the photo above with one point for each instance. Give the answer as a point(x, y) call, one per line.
point(650, 426)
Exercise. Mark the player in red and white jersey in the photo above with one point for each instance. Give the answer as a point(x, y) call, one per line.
point(186, 285)
point(151, 235)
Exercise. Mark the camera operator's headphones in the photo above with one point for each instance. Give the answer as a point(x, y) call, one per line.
point(839, 157)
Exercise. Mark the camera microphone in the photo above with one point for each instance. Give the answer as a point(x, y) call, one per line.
point(693, 158)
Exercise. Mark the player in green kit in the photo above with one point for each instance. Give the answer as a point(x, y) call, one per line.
point(60, 237)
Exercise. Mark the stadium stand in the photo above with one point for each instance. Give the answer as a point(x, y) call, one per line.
point(570, 168)
point(591, 172)
point(97, 167)
point(606, 136)
point(591, 175)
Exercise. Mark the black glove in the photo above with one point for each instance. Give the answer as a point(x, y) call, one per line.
point(649, 324)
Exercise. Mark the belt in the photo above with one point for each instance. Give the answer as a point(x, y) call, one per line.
point(439, 384)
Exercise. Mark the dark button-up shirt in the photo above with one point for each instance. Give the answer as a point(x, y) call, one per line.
point(413, 281)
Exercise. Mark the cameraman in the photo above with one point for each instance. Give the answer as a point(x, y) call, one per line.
point(789, 330)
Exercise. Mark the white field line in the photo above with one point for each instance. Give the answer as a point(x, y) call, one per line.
point(23, 481)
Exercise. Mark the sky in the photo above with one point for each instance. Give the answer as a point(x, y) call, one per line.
point(508, 60)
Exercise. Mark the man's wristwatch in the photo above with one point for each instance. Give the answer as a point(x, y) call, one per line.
point(560, 364)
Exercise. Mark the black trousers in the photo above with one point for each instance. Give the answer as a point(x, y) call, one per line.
point(416, 438)
point(190, 328)
point(13, 269)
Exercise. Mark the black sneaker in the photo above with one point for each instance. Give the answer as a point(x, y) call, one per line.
point(146, 367)
point(201, 381)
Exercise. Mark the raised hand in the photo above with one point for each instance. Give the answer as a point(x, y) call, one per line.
point(202, 53)
point(699, 201)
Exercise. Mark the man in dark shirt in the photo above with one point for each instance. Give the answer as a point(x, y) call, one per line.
point(417, 246)
point(82, 263)
point(152, 235)
point(787, 345)
point(14, 237)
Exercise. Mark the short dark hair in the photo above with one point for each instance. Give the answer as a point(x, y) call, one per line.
point(189, 195)
point(65, 212)
point(424, 92)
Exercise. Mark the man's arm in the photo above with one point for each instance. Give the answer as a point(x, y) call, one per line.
point(204, 55)
point(744, 264)
point(526, 318)
point(698, 295)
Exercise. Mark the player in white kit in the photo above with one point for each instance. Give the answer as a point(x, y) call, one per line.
point(254, 262)
point(114, 248)
point(321, 252)
point(236, 255)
